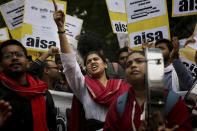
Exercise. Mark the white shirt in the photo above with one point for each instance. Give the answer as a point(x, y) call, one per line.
point(76, 81)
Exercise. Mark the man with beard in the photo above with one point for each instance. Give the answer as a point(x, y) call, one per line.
point(30, 106)
point(177, 78)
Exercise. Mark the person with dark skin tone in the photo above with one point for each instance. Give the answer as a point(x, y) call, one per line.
point(94, 91)
point(50, 73)
point(15, 68)
point(23, 92)
point(178, 120)
point(177, 77)
point(123, 52)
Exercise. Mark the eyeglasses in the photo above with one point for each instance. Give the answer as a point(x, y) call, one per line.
point(11, 54)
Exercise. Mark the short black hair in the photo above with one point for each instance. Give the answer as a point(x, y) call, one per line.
point(167, 42)
point(11, 42)
point(124, 49)
point(97, 53)
point(90, 41)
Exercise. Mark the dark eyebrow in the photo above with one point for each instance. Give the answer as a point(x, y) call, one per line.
point(139, 59)
point(96, 57)
point(136, 59)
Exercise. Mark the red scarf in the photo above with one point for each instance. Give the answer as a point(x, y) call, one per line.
point(100, 94)
point(106, 95)
point(35, 93)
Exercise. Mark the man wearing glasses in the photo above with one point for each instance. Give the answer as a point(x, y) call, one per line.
point(31, 106)
point(51, 74)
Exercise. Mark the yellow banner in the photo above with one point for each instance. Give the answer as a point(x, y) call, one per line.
point(117, 14)
point(39, 31)
point(12, 13)
point(184, 8)
point(187, 57)
point(147, 21)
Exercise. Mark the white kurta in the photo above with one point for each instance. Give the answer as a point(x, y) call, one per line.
point(76, 81)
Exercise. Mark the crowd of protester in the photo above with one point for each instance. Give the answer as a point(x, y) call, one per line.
point(98, 85)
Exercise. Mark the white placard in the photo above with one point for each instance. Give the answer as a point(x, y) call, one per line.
point(138, 10)
point(44, 30)
point(116, 6)
point(40, 42)
point(119, 26)
point(13, 13)
point(73, 27)
point(184, 7)
point(4, 34)
point(123, 40)
point(191, 66)
point(151, 35)
point(62, 101)
point(39, 12)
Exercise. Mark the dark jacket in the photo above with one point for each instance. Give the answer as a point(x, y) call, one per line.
point(22, 118)
point(185, 78)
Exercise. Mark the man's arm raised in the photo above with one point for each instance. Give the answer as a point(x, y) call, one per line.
point(59, 18)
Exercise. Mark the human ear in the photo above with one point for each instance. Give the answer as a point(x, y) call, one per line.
point(105, 65)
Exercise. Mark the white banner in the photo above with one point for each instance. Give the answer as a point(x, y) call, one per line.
point(4, 34)
point(39, 15)
point(151, 35)
point(40, 12)
point(119, 26)
point(184, 7)
point(40, 42)
point(62, 101)
point(138, 10)
point(116, 6)
point(73, 27)
point(13, 13)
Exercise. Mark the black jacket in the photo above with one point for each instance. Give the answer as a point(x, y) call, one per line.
point(22, 118)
